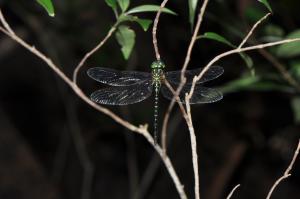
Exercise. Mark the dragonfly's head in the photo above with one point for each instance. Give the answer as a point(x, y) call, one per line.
point(158, 64)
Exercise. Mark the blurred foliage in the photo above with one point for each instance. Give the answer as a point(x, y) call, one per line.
point(290, 50)
point(192, 11)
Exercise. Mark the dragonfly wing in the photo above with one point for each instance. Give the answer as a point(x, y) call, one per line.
point(214, 72)
point(201, 94)
point(123, 95)
point(117, 78)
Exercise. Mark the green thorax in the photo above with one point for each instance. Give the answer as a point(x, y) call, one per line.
point(157, 68)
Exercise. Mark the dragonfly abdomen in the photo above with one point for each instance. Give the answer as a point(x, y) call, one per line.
point(156, 107)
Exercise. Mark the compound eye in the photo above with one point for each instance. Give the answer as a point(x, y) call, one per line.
point(157, 64)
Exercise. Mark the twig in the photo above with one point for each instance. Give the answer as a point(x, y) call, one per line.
point(252, 30)
point(286, 174)
point(186, 62)
point(193, 39)
point(235, 51)
point(154, 29)
point(154, 163)
point(188, 108)
point(232, 191)
point(142, 129)
point(167, 115)
point(90, 53)
point(281, 68)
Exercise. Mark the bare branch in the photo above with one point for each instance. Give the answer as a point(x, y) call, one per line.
point(154, 29)
point(166, 118)
point(186, 62)
point(142, 129)
point(90, 53)
point(232, 191)
point(286, 174)
point(252, 30)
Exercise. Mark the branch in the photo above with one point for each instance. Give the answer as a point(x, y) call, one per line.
point(235, 51)
point(142, 129)
point(286, 174)
point(154, 29)
point(188, 108)
point(186, 62)
point(90, 53)
point(232, 191)
point(252, 30)
point(167, 115)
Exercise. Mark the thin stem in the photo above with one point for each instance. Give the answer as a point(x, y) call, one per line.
point(252, 30)
point(232, 191)
point(166, 118)
point(194, 148)
point(91, 52)
point(186, 62)
point(286, 174)
point(154, 29)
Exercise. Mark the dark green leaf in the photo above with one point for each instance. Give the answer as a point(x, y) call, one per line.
point(149, 8)
point(295, 68)
point(192, 10)
point(48, 6)
point(290, 49)
point(266, 3)
point(111, 3)
point(253, 13)
point(126, 38)
point(239, 84)
point(274, 30)
point(216, 37)
point(249, 62)
point(124, 4)
point(144, 23)
point(295, 103)
point(253, 83)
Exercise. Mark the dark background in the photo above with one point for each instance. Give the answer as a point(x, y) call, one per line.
point(53, 145)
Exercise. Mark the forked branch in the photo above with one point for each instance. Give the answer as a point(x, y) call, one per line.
point(142, 129)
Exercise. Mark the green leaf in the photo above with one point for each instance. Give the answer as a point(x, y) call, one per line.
point(144, 23)
point(216, 37)
point(111, 3)
point(290, 49)
point(149, 8)
point(126, 38)
point(295, 103)
point(192, 10)
point(124, 4)
point(48, 6)
point(266, 3)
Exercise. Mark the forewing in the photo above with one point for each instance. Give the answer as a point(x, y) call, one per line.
point(123, 95)
point(214, 72)
point(201, 94)
point(117, 78)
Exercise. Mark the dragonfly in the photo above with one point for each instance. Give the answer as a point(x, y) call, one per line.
point(130, 87)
